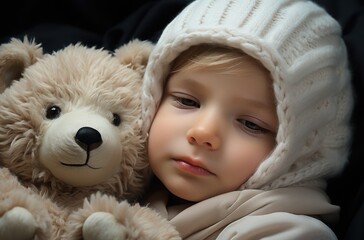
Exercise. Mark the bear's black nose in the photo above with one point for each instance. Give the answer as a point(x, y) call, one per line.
point(88, 138)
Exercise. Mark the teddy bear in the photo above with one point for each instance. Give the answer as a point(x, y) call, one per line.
point(72, 153)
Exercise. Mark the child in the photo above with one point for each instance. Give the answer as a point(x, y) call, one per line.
point(247, 104)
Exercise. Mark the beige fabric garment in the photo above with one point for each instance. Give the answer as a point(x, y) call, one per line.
point(252, 214)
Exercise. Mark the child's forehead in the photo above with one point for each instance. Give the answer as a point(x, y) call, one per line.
point(217, 59)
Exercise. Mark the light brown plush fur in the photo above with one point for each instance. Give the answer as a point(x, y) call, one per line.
point(55, 180)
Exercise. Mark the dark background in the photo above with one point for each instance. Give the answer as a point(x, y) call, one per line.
point(100, 23)
point(109, 24)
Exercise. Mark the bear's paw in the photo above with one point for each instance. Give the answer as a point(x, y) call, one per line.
point(103, 225)
point(17, 224)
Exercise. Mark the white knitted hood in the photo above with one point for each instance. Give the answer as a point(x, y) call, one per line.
point(301, 45)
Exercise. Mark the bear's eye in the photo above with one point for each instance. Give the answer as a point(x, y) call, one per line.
point(53, 112)
point(116, 120)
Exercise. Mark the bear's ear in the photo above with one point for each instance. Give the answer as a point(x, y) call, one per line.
point(15, 57)
point(134, 54)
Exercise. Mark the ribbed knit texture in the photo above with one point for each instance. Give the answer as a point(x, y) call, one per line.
point(301, 45)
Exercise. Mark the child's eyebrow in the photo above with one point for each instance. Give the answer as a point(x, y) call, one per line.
point(197, 85)
point(183, 81)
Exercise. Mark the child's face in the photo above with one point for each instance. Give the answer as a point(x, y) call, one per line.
point(212, 130)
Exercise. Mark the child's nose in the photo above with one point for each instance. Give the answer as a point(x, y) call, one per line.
point(205, 133)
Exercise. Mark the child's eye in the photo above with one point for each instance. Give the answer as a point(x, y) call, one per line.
point(186, 102)
point(252, 127)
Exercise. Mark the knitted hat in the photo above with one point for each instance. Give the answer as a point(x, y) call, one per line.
point(301, 46)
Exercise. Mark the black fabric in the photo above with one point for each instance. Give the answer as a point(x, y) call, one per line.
point(354, 227)
point(109, 24)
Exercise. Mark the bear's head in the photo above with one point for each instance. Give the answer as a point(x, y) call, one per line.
point(72, 119)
